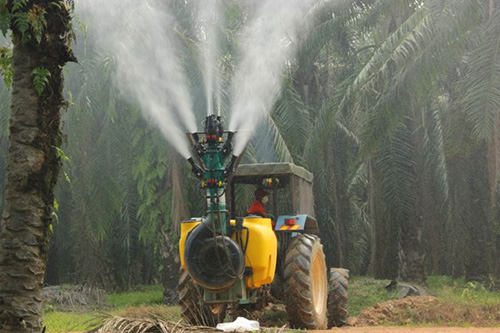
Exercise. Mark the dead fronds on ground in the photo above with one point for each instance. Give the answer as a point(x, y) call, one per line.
point(150, 322)
point(148, 325)
point(73, 298)
point(169, 313)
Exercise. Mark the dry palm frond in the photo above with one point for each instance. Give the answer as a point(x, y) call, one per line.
point(73, 298)
point(149, 325)
point(157, 325)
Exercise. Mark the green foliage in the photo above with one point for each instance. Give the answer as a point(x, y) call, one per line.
point(4, 18)
point(6, 65)
point(30, 22)
point(482, 83)
point(40, 79)
point(22, 24)
point(37, 21)
point(18, 5)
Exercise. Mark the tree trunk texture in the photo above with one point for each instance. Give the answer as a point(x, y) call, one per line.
point(342, 203)
point(477, 221)
point(169, 244)
point(384, 235)
point(338, 248)
point(32, 172)
point(494, 154)
point(471, 216)
point(412, 254)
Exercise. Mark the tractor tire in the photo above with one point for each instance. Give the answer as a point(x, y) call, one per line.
point(192, 311)
point(306, 287)
point(337, 297)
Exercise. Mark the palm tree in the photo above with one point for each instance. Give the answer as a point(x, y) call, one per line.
point(33, 162)
point(396, 95)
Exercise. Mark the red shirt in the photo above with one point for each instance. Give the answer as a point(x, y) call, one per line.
point(257, 209)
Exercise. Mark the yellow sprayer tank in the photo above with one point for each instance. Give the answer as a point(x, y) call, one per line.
point(261, 252)
point(186, 227)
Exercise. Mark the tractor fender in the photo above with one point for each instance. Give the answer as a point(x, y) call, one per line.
point(297, 223)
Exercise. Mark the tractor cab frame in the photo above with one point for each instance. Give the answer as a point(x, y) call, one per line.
point(291, 194)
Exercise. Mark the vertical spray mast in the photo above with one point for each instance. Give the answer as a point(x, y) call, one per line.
point(212, 149)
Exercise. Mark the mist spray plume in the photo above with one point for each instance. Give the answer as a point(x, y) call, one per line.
point(208, 24)
point(140, 36)
point(267, 44)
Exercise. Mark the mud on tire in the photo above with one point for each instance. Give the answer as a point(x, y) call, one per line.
point(306, 285)
point(191, 310)
point(337, 297)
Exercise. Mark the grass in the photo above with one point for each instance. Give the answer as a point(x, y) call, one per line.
point(459, 291)
point(461, 303)
point(119, 304)
point(57, 321)
point(141, 296)
point(364, 292)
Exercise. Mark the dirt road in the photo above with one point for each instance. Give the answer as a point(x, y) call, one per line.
point(382, 329)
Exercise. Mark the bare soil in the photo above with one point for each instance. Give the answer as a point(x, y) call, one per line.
point(427, 309)
point(387, 329)
point(423, 310)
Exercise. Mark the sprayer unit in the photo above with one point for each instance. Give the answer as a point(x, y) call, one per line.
point(214, 260)
point(230, 262)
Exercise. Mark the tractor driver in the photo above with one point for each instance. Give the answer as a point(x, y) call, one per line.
point(257, 208)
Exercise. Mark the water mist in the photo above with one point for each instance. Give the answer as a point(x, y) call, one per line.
point(140, 36)
point(208, 24)
point(267, 44)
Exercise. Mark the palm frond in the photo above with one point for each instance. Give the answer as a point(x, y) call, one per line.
point(397, 48)
point(397, 163)
point(481, 98)
point(291, 119)
point(434, 150)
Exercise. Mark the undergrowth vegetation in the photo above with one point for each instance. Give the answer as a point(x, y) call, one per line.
point(364, 292)
point(144, 300)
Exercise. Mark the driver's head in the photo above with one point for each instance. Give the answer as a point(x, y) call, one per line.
point(261, 195)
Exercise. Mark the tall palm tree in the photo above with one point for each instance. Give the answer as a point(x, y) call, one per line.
point(33, 162)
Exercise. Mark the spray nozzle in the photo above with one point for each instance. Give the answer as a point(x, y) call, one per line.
point(197, 146)
point(231, 166)
point(196, 169)
point(228, 145)
point(213, 127)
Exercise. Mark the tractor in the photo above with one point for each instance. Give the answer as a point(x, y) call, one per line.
point(232, 261)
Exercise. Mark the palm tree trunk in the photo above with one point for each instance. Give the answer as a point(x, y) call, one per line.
point(412, 254)
point(170, 250)
point(32, 171)
point(384, 237)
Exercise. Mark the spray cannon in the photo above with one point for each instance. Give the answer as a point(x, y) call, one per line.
point(212, 149)
point(212, 258)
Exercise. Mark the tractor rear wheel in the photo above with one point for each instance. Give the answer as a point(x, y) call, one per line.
point(192, 311)
point(337, 297)
point(306, 287)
